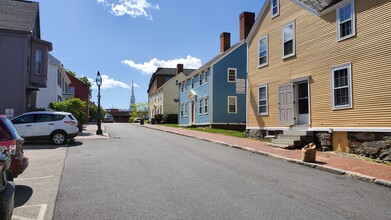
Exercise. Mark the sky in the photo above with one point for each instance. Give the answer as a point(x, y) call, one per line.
point(127, 40)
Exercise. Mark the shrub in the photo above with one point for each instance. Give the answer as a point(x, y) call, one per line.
point(171, 119)
point(158, 118)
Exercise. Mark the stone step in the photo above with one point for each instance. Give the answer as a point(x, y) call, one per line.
point(297, 133)
point(289, 137)
point(286, 142)
point(283, 146)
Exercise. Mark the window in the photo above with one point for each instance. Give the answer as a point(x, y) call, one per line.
point(38, 61)
point(192, 83)
point(186, 109)
point(232, 104)
point(288, 40)
point(182, 86)
point(201, 77)
point(185, 82)
point(345, 21)
point(341, 86)
point(263, 51)
point(205, 105)
point(275, 8)
point(24, 119)
point(200, 106)
point(59, 78)
point(72, 90)
point(262, 100)
point(206, 77)
point(181, 110)
point(231, 75)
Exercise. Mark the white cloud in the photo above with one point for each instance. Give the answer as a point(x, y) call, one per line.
point(134, 8)
point(150, 67)
point(110, 83)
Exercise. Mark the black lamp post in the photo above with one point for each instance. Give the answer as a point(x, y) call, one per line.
point(99, 83)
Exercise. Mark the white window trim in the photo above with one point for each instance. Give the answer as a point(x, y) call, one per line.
point(236, 75)
point(200, 106)
point(200, 79)
point(236, 104)
point(206, 99)
point(267, 100)
point(186, 109)
point(353, 22)
point(267, 51)
point(294, 40)
point(181, 110)
point(192, 82)
point(278, 8)
point(205, 77)
point(347, 66)
point(185, 82)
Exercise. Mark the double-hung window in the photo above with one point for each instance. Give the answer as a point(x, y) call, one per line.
point(201, 77)
point(275, 8)
point(205, 77)
point(231, 75)
point(182, 110)
point(182, 86)
point(186, 85)
point(345, 21)
point(288, 40)
point(38, 61)
point(192, 82)
point(200, 101)
point(263, 51)
point(185, 111)
point(262, 100)
point(205, 105)
point(232, 104)
point(341, 82)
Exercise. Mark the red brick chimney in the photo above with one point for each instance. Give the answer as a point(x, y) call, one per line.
point(179, 68)
point(225, 41)
point(246, 22)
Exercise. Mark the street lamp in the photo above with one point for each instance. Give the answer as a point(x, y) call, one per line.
point(99, 83)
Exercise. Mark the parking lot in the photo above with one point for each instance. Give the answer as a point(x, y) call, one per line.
point(37, 187)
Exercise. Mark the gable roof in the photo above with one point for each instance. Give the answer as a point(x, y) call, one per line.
point(161, 71)
point(316, 7)
point(18, 15)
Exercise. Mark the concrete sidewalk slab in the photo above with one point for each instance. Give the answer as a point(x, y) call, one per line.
point(89, 132)
point(327, 161)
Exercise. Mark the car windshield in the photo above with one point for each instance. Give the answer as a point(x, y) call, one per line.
point(12, 128)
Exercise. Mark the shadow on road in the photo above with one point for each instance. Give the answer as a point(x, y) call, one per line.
point(22, 195)
point(39, 145)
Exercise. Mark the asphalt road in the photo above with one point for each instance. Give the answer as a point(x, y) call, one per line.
point(141, 173)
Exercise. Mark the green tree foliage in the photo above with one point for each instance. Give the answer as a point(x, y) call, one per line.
point(70, 72)
point(94, 112)
point(138, 110)
point(74, 106)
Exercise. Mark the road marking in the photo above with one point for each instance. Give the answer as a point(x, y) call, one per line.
point(40, 216)
point(35, 178)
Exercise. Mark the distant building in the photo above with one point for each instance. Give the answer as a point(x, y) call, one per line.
point(119, 115)
point(23, 56)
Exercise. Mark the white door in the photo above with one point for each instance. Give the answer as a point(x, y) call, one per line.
point(285, 105)
point(302, 103)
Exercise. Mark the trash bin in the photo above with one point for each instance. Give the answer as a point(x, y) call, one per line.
point(142, 121)
point(309, 153)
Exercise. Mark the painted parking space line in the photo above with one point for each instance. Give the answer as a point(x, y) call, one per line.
point(41, 213)
point(34, 178)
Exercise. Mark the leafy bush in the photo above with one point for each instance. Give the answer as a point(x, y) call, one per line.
point(171, 119)
point(74, 106)
point(158, 118)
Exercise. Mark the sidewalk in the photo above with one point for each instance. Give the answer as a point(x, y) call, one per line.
point(89, 132)
point(327, 161)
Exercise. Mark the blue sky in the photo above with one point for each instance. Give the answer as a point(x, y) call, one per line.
point(128, 39)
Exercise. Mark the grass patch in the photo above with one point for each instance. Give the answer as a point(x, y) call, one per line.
point(171, 125)
point(232, 133)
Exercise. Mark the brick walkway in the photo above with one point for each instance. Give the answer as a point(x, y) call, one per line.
point(328, 161)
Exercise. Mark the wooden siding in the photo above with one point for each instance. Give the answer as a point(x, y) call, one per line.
point(317, 50)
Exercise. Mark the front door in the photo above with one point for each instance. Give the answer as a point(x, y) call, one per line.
point(302, 101)
point(192, 112)
point(286, 105)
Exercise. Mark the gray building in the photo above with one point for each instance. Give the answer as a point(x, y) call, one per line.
point(23, 56)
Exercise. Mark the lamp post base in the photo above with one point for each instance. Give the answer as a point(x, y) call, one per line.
point(99, 132)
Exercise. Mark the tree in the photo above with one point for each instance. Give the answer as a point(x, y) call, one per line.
point(138, 110)
point(74, 106)
point(70, 72)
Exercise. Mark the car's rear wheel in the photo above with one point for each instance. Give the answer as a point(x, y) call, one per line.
point(59, 137)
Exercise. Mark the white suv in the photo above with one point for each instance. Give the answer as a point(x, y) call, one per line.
point(55, 126)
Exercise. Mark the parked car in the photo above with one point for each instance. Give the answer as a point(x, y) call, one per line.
point(10, 138)
point(55, 126)
point(108, 118)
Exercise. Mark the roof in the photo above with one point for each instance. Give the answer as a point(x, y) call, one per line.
point(161, 71)
point(18, 15)
point(319, 5)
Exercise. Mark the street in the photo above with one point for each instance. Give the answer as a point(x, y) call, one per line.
point(141, 173)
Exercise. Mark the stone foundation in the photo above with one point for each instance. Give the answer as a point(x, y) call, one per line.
point(371, 144)
point(324, 141)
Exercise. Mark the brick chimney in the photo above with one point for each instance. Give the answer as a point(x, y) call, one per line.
point(225, 41)
point(246, 22)
point(179, 68)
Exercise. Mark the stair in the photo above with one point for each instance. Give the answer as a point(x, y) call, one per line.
point(291, 139)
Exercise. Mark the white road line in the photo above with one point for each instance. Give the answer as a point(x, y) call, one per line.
point(35, 178)
point(41, 213)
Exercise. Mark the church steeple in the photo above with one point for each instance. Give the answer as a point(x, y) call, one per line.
point(132, 97)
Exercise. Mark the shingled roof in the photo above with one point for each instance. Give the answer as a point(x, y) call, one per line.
point(161, 71)
point(18, 15)
point(319, 5)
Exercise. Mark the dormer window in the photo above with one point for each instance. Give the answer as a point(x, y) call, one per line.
point(275, 8)
point(345, 21)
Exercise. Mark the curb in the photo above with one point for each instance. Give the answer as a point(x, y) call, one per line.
point(329, 169)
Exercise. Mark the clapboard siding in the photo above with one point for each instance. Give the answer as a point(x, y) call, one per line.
point(317, 50)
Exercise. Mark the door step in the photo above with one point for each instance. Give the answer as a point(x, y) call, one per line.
point(282, 146)
point(292, 139)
